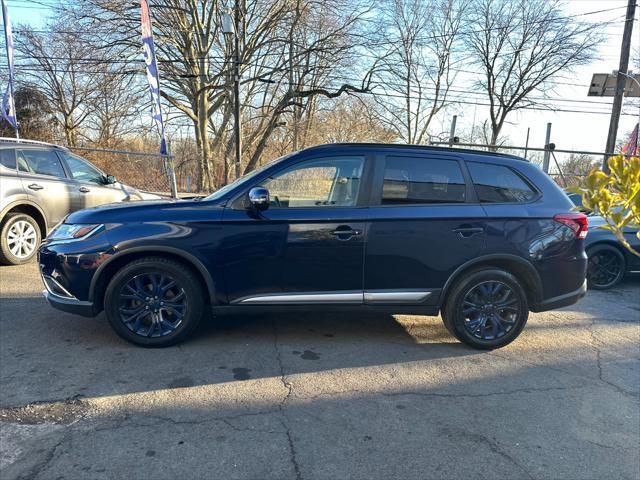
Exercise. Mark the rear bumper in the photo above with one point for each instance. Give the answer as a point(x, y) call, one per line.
point(560, 301)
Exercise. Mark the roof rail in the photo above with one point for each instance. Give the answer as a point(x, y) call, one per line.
point(24, 140)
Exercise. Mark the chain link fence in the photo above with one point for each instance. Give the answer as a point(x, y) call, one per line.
point(567, 167)
point(149, 172)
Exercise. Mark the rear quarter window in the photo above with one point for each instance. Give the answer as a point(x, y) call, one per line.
point(499, 184)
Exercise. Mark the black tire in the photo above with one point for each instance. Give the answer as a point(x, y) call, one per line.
point(132, 314)
point(505, 312)
point(606, 267)
point(19, 239)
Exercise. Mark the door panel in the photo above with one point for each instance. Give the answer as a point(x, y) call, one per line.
point(293, 251)
point(419, 247)
point(45, 182)
point(310, 241)
point(88, 194)
point(421, 228)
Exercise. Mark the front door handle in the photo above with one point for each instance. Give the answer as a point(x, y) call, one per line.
point(84, 189)
point(35, 186)
point(345, 232)
point(466, 232)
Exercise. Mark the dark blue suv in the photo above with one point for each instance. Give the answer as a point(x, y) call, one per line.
point(481, 237)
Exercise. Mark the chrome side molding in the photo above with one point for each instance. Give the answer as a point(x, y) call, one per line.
point(395, 296)
point(298, 298)
point(348, 297)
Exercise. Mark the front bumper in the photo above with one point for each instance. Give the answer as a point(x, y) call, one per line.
point(60, 298)
point(78, 307)
point(561, 300)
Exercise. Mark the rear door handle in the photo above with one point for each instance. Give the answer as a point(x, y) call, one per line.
point(466, 232)
point(35, 186)
point(84, 189)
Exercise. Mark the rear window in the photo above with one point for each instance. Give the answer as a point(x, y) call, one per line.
point(8, 158)
point(499, 184)
point(415, 180)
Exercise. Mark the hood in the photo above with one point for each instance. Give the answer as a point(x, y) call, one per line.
point(172, 210)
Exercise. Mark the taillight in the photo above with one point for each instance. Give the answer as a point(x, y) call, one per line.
point(577, 222)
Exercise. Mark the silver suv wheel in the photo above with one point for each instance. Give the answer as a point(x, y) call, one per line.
point(19, 238)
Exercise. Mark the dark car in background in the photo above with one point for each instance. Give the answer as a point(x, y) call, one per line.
point(609, 260)
point(483, 238)
point(40, 184)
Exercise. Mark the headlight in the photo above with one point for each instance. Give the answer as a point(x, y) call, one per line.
point(67, 231)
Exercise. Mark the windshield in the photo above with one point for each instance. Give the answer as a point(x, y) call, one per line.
point(242, 180)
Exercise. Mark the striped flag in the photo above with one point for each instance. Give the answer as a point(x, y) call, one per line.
point(8, 102)
point(152, 71)
point(630, 149)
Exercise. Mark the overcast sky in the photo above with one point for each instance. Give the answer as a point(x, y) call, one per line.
point(585, 131)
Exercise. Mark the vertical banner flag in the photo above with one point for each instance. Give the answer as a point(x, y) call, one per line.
point(152, 71)
point(631, 148)
point(8, 102)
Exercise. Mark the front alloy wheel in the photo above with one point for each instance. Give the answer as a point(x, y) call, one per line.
point(154, 302)
point(20, 238)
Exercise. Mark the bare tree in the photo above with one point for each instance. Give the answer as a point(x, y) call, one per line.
point(58, 68)
point(418, 39)
point(521, 45)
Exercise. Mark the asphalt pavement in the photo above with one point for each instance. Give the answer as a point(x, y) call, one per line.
point(319, 396)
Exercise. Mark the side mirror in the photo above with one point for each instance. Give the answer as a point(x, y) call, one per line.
point(110, 179)
point(259, 198)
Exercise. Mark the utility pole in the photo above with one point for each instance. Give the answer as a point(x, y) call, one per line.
point(236, 90)
point(452, 131)
point(621, 81)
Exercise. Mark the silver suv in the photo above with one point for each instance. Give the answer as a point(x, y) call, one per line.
point(40, 184)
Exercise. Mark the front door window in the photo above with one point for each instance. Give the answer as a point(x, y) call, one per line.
point(332, 182)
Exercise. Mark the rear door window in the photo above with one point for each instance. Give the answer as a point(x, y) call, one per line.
point(8, 158)
point(41, 162)
point(499, 184)
point(420, 180)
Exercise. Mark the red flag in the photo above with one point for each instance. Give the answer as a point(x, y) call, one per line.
point(630, 149)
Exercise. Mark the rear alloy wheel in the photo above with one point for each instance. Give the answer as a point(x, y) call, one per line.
point(486, 309)
point(20, 238)
point(154, 302)
point(606, 267)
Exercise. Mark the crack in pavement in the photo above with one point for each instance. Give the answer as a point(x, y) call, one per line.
point(493, 446)
point(281, 406)
point(449, 395)
point(595, 342)
point(42, 465)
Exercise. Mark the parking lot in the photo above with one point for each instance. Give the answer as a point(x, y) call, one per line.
point(319, 396)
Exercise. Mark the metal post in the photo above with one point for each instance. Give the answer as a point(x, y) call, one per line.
point(13, 97)
point(621, 81)
point(452, 132)
point(170, 163)
point(547, 140)
point(526, 145)
point(236, 90)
